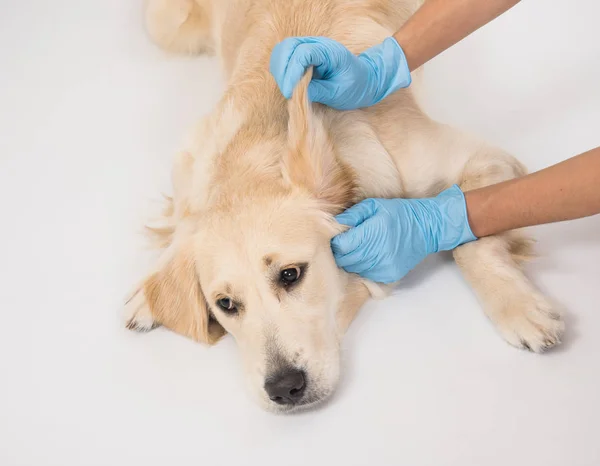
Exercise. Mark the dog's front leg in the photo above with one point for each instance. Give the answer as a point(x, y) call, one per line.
point(522, 315)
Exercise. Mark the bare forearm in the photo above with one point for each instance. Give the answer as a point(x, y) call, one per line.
point(439, 24)
point(566, 191)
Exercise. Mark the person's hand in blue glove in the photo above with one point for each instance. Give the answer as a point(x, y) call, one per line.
point(389, 237)
point(341, 79)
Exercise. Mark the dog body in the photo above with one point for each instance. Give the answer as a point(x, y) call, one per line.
point(246, 236)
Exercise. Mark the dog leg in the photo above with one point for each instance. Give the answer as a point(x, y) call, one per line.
point(522, 315)
point(179, 26)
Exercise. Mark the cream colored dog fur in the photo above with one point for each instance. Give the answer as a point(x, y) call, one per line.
point(256, 191)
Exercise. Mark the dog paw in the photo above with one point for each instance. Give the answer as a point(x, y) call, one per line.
point(137, 314)
point(531, 324)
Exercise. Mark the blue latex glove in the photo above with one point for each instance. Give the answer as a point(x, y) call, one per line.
point(341, 79)
point(389, 237)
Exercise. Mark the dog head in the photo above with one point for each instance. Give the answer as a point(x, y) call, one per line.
point(255, 262)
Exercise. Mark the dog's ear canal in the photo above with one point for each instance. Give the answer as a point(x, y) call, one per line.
point(311, 160)
point(176, 300)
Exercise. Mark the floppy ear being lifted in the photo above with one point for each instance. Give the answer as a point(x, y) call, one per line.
point(172, 297)
point(311, 161)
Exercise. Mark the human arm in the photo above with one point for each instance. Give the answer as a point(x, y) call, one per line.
point(345, 81)
point(439, 24)
point(565, 191)
point(389, 237)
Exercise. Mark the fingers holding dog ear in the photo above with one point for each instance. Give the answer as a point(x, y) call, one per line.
point(358, 213)
point(289, 62)
point(293, 56)
point(349, 248)
point(346, 246)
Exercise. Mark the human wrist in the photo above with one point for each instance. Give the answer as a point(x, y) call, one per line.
point(452, 228)
point(407, 42)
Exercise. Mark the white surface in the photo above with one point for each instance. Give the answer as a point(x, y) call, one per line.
point(90, 114)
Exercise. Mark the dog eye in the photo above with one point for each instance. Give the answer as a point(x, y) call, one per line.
point(227, 305)
point(289, 276)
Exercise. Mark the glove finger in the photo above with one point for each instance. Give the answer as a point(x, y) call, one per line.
point(353, 248)
point(378, 274)
point(353, 262)
point(304, 56)
point(280, 58)
point(346, 242)
point(323, 92)
point(358, 213)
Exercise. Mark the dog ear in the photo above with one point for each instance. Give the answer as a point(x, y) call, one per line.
point(172, 297)
point(311, 161)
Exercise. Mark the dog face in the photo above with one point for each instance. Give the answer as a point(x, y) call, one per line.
point(255, 261)
point(269, 279)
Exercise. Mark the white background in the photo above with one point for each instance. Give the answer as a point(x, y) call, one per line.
point(90, 115)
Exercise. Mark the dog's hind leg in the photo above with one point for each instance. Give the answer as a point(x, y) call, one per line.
point(180, 26)
point(522, 315)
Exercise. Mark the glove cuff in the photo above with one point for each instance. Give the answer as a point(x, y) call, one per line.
point(389, 69)
point(393, 68)
point(454, 227)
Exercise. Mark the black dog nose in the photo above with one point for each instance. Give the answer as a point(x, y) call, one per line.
point(287, 387)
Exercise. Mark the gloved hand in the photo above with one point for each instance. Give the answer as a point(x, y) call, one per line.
point(341, 79)
point(389, 237)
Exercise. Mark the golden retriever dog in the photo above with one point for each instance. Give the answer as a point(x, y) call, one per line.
point(245, 243)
